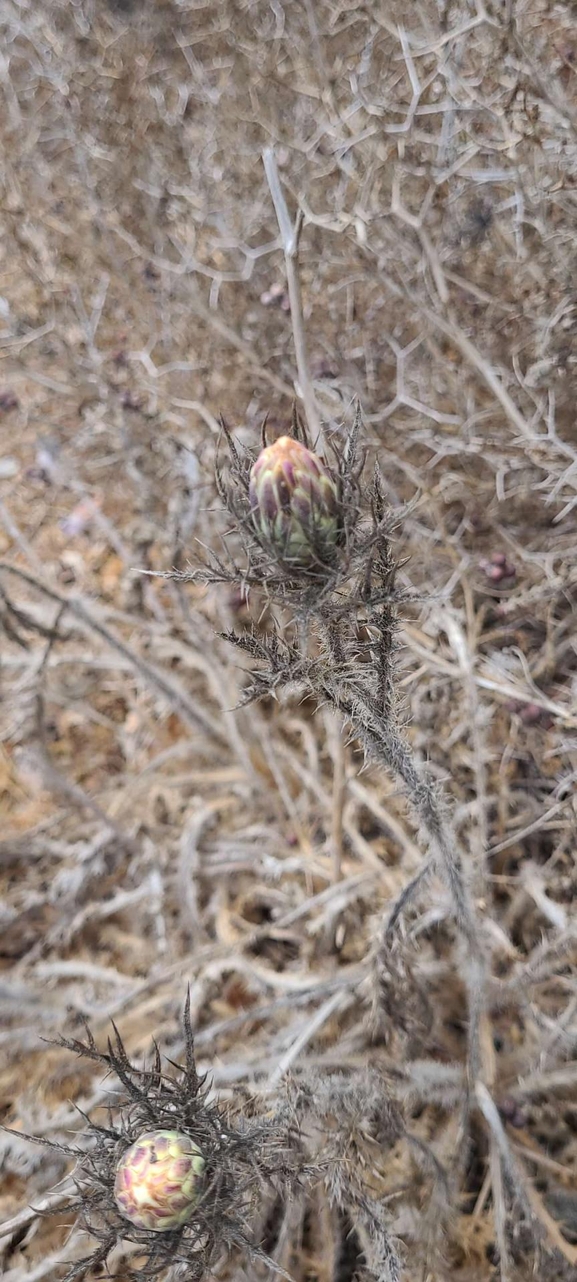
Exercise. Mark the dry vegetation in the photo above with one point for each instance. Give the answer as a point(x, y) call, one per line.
point(153, 836)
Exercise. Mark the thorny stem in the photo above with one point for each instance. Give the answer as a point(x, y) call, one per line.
point(187, 707)
point(384, 743)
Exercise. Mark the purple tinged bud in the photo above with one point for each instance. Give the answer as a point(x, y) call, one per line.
point(158, 1181)
point(294, 500)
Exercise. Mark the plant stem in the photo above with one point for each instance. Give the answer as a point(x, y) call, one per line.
point(290, 235)
point(384, 744)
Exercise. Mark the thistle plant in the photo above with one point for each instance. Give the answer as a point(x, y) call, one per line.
point(339, 644)
point(179, 1178)
point(174, 1177)
point(182, 1182)
point(296, 516)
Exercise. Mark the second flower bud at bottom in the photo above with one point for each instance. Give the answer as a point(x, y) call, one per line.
point(157, 1181)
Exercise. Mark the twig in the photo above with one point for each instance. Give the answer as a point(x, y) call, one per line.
point(19, 539)
point(59, 1194)
point(189, 865)
point(337, 1001)
point(188, 708)
point(490, 1113)
point(337, 746)
point(290, 242)
point(208, 314)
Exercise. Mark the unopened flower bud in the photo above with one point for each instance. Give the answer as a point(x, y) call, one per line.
point(295, 503)
point(157, 1180)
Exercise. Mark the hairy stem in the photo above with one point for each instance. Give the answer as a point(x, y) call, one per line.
point(384, 744)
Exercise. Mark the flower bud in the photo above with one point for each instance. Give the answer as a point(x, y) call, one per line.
point(157, 1181)
point(294, 502)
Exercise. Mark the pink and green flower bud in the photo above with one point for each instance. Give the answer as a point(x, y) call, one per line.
point(294, 502)
point(157, 1181)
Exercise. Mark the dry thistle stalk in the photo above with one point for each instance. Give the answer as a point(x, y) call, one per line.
point(334, 640)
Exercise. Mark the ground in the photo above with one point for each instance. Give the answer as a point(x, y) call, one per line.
point(154, 834)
